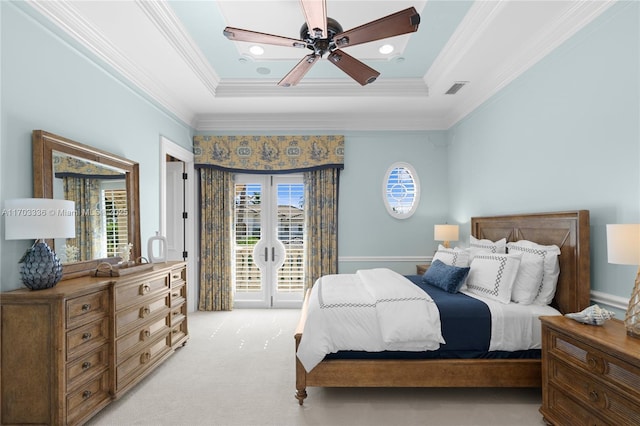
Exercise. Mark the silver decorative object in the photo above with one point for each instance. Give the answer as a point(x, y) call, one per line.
point(593, 315)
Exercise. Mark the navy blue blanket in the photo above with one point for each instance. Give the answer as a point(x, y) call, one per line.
point(466, 327)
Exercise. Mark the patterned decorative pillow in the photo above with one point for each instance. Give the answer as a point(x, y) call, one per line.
point(452, 256)
point(482, 246)
point(449, 278)
point(492, 275)
point(550, 267)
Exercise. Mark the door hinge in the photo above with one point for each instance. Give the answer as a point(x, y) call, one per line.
point(184, 176)
point(184, 254)
point(185, 215)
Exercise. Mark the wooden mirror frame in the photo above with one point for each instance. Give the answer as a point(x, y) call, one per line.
point(45, 143)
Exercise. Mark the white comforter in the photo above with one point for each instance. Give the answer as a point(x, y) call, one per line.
point(372, 310)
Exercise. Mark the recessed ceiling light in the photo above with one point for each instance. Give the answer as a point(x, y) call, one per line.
point(385, 49)
point(256, 50)
point(263, 70)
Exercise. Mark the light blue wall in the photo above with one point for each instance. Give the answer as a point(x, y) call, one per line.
point(563, 136)
point(48, 85)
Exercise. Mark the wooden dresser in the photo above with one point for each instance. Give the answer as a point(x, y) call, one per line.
point(68, 351)
point(590, 374)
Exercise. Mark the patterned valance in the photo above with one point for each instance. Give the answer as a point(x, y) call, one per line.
point(66, 166)
point(269, 154)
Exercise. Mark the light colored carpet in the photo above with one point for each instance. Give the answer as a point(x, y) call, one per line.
point(238, 369)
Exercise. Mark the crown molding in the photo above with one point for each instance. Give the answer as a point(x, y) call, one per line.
point(240, 88)
point(551, 36)
point(165, 19)
point(304, 122)
point(65, 16)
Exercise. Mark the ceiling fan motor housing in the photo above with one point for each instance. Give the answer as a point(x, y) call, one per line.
point(321, 45)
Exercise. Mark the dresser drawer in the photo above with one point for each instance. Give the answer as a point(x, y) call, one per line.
point(566, 411)
point(178, 294)
point(83, 309)
point(151, 331)
point(615, 371)
point(178, 276)
point(591, 393)
point(134, 366)
point(87, 366)
point(136, 292)
point(86, 338)
point(88, 398)
point(135, 317)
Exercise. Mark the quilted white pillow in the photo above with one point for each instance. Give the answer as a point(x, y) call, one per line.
point(492, 275)
point(478, 246)
point(452, 256)
point(550, 267)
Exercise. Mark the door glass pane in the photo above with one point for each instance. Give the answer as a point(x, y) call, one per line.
point(290, 233)
point(247, 234)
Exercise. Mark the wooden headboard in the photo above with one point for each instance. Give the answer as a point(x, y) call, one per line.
point(567, 230)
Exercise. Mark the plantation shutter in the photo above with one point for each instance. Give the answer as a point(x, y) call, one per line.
point(116, 217)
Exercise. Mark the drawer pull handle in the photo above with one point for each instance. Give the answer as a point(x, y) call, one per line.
point(593, 396)
point(144, 289)
point(145, 357)
point(86, 365)
point(86, 394)
point(175, 294)
point(86, 307)
point(145, 334)
point(144, 311)
point(86, 336)
point(175, 276)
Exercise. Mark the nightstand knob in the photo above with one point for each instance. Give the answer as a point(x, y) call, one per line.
point(593, 396)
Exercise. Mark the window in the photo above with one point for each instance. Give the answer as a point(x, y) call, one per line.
point(401, 190)
point(116, 220)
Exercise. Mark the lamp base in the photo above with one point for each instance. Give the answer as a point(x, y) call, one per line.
point(40, 268)
point(632, 318)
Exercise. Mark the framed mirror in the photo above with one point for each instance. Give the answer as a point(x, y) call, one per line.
point(105, 188)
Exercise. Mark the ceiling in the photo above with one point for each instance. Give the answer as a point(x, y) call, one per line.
point(174, 52)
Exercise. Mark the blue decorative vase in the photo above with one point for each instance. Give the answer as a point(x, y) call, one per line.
point(40, 268)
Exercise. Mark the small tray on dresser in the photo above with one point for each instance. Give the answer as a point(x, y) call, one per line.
point(119, 270)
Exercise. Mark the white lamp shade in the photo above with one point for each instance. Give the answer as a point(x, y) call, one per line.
point(623, 244)
point(445, 232)
point(39, 218)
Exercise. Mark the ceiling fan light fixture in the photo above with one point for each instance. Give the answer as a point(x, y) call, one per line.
point(386, 49)
point(256, 50)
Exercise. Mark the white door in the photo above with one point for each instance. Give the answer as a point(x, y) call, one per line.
point(175, 211)
point(269, 244)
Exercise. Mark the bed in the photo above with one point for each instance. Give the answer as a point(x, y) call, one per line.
point(567, 230)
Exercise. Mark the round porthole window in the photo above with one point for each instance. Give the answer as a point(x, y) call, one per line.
point(401, 190)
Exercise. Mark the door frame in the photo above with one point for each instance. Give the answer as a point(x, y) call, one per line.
point(168, 147)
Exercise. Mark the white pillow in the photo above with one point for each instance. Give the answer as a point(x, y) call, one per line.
point(492, 275)
point(452, 256)
point(480, 246)
point(550, 269)
point(529, 278)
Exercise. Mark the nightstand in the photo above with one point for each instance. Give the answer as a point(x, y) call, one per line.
point(590, 374)
point(421, 269)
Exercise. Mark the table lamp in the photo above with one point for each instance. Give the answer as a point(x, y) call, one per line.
point(39, 219)
point(445, 233)
point(623, 248)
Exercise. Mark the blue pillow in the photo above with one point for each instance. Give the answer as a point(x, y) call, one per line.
point(448, 278)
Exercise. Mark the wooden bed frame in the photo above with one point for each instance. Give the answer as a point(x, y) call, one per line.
point(567, 230)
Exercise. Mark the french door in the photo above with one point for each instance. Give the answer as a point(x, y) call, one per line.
point(269, 243)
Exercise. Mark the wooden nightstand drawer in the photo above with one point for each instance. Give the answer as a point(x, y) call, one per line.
point(591, 393)
point(568, 412)
point(614, 371)
point(85, 308)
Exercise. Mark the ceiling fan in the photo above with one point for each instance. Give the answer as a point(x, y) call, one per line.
point(321, 34)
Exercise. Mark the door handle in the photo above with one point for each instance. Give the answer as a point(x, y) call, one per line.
point(273, 254)
point(266, 254)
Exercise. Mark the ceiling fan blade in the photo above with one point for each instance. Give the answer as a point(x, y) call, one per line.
point(403, 22)
point(238, 34)
point(315, 14)
point(357, 70)
point(295, 75)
